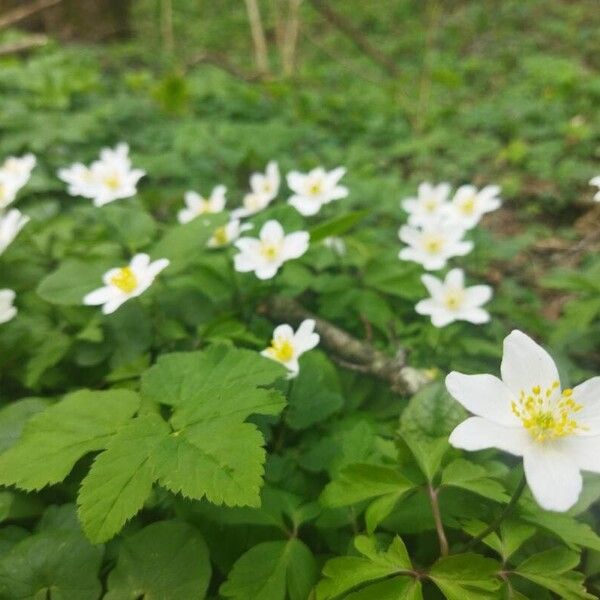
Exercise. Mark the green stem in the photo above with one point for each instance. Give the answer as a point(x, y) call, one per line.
point(437, 517)
point(496, 523)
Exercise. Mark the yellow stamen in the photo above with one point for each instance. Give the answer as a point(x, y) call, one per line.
point(125, 280)
point(113, 182)
point(315, 189)
point(433, 244)
point(282, 350)
point(220, 236)
point(467, 206)
point(454, 299)
point(269, 251)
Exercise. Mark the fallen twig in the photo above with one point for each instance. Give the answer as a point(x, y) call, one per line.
point(29, 43)
point(20, 13)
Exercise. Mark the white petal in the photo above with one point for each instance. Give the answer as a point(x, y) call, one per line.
point(553, 477)
point(99, 296)
point(442, 317)
point(114, 303)
point(295, 181)
point(157, 266)
point(526, 364)
point(455, 278)
point(588, 395)
point(434, 285)
point(483, 395)
point(305, 337)
point(272, 231)
point(267, 271)
point(295, 244)
point(283, 332)
point(477, 295)
point(139, 263)
point(426, 307)
point(583, 450)
point(477, 433)
point(307, 207)
point(477, 316)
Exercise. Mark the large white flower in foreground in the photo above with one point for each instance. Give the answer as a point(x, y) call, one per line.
point(287, 347)
point(18, 169)
point(526, 413)
point(273, 247)
point(596, 181)
point(7, 308)
point(314, 189)
point(451, 301)
point(108, 179)
point(10, 224)
point(433, 244)
point(227, 234)
point(196, 205)
point(124, 283)
point(428, 203)
point(469, 204)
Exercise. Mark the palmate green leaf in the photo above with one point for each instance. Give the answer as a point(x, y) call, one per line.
point(513, 534)
point(467, 576)
point(272, 571)
point(363, 573)
point(552, 570)
point(167, 560)
point(206, 450)
point(55, 439)
point(466, 475)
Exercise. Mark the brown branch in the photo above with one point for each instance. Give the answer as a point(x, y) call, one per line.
point(259, 40)
point(346, 349)
point(437, 517)
point(346, 27)
point(223, 63)
point(22, 12)
point(29, 43)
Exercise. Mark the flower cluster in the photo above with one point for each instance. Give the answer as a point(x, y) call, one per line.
point(434, 234)
point(15, 172)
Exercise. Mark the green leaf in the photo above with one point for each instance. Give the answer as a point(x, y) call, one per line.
point(272, 571)
point(56, 564)
point(466, 576)
point(72, 281)
point(49, 353)
point(132, 227)
point(121, 478)
point(552, 570)
point(336, 226)
point(397, 588)
point(513, 534)
point(55, 439)
point(466, 475)
point(13, 418)
point(427, 452)
point(349, 573)
point(167, 560)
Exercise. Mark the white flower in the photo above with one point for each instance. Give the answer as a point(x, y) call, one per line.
point(266, 183)
point(7, 308)
point(10, 225)
point(468, 204)
point(8, 191)
point(526, 413)
point(433, 244)
point(197, 205)
point(287, 347)
point(228, 233)
point(18, 169)
point(314, 189)
point(596, 181)
point(123, 283)
point(106, 180)
point(335, 244)
point(428, 203)
point(451, 301)
point(266, 254)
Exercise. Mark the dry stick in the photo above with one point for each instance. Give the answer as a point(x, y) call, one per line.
point(290, 41)
point(30, 43)
point(346, 27)
point(258, 37)
point(22, 12)
point(223, 63)
point(166, 26)
point(351, 352)
point(437, 517)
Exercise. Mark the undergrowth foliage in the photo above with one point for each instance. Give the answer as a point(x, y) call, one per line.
point(165, 435)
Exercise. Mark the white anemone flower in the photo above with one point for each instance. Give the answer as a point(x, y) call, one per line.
point(10, 224)
point(451, 301)
point(469, 204)
point(7, 308)
point(314, 189)
point(287, 347)
point(266, 183)
point(253, 203)
point(80, 180)
point(336, 244)
point(428, 204)
point(273, 247)
point(196, 205)
point(123, 283)
point(8, 191)
point(18, 169)
point(528, 414)
point(433, 244)
point(227, 234)
point(596, 181)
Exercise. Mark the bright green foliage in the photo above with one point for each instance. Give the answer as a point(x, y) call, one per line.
point(272, 571)
point(469, 476)
point(167, 560)
point(55, 439)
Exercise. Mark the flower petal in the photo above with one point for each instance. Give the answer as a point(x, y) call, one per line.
point(99, 296)
point(588, 395)
point(526, 364)
point(305, 337)
point(553, 477)
point(477, 433)
point(483, 395)
point(455, 278)
point(583, 450)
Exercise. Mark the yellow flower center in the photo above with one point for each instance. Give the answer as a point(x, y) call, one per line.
point(112, 182)
point(269, 251)
point(454, 299)
point(220, 236)
point(431, 205)
point(266, 187)
point(467, 207)
point(315, 188)
point(433, 244)
point(546, 417)
point(2, 191)
point(282, 350)
point(125, 280)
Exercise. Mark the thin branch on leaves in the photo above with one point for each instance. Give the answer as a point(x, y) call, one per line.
point(350, 352)
point(30, 43)
point(20, 13)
